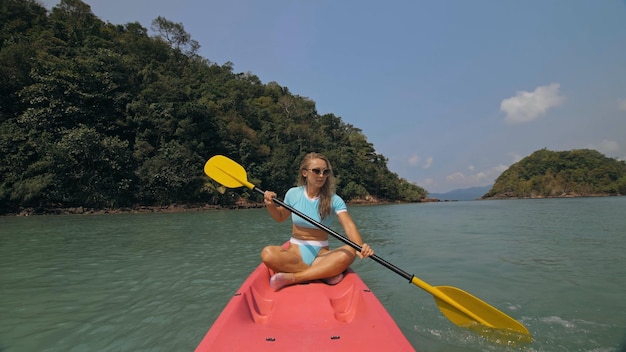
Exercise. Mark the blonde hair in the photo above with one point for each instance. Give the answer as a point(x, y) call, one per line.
point(327, 190)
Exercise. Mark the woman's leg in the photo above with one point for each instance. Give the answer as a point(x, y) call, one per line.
point(283, 260)
point(290, 269)
point(327, 264)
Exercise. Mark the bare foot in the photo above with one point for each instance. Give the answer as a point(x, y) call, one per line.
point(334, 280)
point(281, 280)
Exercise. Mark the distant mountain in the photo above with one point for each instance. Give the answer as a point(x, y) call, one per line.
point(472, 193)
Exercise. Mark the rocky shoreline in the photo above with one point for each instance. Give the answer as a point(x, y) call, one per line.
point(565, 195)
point(179, 208)
point(172, 208)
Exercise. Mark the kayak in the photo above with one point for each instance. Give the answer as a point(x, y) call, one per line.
point(306, 317)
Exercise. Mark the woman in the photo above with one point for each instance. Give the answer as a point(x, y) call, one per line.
point(308, 256)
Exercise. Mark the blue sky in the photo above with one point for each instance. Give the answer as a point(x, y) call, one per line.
point(451, 92)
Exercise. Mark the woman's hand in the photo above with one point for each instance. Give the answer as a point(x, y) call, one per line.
point(366, 251)
point(268, 197)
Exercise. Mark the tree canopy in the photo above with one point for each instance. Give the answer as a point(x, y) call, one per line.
point(104, 115)
point(546, 173)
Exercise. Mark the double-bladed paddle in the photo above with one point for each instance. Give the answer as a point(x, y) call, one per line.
point(460, 307)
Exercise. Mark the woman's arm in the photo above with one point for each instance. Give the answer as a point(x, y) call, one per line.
point(277, 213)
point(353, 234)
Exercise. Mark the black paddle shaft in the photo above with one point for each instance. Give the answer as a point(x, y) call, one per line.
point(343, 239)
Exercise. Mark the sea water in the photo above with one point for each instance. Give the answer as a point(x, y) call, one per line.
point(156, 282)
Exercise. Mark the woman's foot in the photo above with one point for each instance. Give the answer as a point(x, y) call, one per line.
point(280, 280)
point(334, 280)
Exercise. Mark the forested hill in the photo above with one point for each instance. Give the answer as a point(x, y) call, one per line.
point(546, 173)
point(102, 115)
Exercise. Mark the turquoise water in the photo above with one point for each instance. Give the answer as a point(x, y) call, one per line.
point(156, 282)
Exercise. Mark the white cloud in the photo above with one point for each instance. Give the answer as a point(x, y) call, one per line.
point(427, 182)
point(473, 179)
point(527, 106)
point(415, 160)
point(621, 104)
point(489, 175)
point(481, 176)
point(499, 169)
point(429, 162)
point(457, 177)
point(606, 147)
point(516, 157)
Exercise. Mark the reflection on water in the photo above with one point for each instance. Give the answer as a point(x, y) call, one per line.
point(156, 282)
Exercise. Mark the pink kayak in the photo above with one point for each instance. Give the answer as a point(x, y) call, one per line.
point(305, 317)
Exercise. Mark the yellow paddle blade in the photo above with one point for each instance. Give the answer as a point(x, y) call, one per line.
point(227, 172)
point(466, 310)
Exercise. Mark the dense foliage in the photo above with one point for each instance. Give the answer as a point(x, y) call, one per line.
point(547, 173)
point(101, 115)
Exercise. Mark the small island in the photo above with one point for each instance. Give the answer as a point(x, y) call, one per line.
point(554, 174)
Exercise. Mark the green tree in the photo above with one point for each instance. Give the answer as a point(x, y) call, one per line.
point(104, 115)
point(171, 175)
point(92, 169)
point(175, 35)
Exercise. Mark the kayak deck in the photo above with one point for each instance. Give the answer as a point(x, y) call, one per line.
point(304, 317)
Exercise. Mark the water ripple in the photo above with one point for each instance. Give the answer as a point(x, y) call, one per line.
point(156, 282)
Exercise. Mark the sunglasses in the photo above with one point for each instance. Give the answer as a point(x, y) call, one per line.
point(318, 172)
